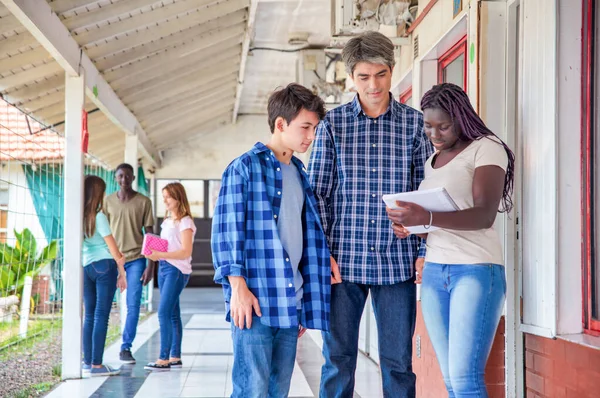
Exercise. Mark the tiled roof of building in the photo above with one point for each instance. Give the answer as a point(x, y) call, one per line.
point(24, 139)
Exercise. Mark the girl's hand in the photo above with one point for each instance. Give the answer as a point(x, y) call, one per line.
point(121, 261)
point(122, 282)
point(155, 256)
point(408, 214)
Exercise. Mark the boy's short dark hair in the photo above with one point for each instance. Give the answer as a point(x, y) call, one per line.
point(125, 166)
point(289, 101)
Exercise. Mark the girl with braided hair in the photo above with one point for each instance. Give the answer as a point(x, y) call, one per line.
point(463, 280)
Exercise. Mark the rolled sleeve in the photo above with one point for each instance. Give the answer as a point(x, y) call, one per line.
point(321, 171)
point(229, 227)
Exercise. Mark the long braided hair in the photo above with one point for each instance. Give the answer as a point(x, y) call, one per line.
point(451, 99)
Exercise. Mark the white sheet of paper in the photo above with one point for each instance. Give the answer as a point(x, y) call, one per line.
point(435, 199)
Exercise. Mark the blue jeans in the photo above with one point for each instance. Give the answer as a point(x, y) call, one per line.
point(263, 360)
point(395, 313)
point(462, 305)
point(99, 286)
point(133, 270)
point(171, 282)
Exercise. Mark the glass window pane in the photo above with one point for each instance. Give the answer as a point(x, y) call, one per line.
point(214, 186)
point(595, 267)
point(161, 210)
point(454, 72)
point(195, 194)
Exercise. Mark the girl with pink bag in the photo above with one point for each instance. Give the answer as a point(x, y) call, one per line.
point(175, 267)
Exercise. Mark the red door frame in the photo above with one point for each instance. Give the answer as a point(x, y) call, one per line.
point(405, 95)
point(590, 325)
point(449, 56)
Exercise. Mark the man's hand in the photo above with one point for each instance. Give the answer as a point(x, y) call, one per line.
point(242, 303)
point(419, 265)
point(148, 273)
point(336, 277)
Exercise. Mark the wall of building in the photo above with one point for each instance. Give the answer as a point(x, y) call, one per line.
point(207, 156)
point(561, 369)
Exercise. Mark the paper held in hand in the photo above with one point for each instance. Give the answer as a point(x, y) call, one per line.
point(435, 199)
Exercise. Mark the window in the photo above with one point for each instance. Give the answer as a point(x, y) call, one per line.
point(591, 166)
point(452, 66)
point(202, 195)
point(406, 97)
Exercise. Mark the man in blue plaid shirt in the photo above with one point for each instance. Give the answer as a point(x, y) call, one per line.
point(269, 249)
point(364, 149)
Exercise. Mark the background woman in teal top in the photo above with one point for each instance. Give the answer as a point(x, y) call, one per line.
point(104, 271)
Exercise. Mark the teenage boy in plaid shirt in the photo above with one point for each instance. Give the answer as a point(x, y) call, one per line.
point(269, 249)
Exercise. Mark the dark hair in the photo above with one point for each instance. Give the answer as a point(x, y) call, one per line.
point(452, 99)
point(125, 166)
point(289, 101)
point(93, 198)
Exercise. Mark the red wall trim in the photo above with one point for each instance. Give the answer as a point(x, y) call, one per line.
point(422, 15)
point(405, 95)
point(456, 51)
point(587, 167)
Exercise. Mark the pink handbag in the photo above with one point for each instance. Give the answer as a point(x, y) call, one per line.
point(154, 242)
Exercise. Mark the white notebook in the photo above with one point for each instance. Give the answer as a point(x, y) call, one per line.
point(435, 199)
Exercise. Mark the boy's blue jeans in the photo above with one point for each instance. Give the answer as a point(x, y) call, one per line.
point(99, 286)
point(263, 360)
point(462, 305)
point(171, 282)
point(133, 271)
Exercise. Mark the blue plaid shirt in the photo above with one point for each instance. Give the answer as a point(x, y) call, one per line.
point(245, 242)
point(355, 160)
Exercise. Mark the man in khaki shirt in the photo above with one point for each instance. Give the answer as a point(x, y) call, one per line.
point(130, 215)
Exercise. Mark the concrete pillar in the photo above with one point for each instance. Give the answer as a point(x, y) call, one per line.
point(73, 229)
point(131, 155)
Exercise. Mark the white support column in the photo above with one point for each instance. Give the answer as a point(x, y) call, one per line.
point(73, 229)
point(131, 156)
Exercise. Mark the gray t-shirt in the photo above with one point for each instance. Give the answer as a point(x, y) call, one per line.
point(290, 222)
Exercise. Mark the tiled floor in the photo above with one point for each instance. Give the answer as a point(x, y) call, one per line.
point(207, 358)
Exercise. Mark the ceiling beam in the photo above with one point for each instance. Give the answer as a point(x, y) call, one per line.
point(192, 96)
point(18, 61)
point(184, 77)
point(136, 38)
point(184, 124)
point(195, 131)
point(245, 49)
point(108, 11)
point(36, 90)
point(199, 60)
point(140, 21)
point(199, 109)
point(188, 35)
point(14, 43)
point(195, 82)
point(62, 6)
point(46, 27)
point(120, 78)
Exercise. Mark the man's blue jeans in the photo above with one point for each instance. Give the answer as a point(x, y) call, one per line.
point(263, 360)
point(462, 305)
point(133, 270)
point(395, 313)
point(171, 282)
point(99, 286)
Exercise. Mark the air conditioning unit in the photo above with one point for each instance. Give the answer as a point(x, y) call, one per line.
point(350, 17)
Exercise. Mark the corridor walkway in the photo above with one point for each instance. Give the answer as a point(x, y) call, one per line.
point(207, 358)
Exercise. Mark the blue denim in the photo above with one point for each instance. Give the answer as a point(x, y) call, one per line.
point(171, 282)
point(395, 313)
point(134, 271)
point(99, 286)
point(263, 360)
point(462, 305)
